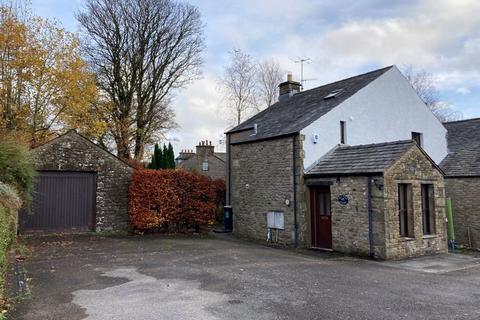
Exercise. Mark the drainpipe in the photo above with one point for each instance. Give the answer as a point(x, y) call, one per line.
point(370, 217)
point(227, 209)
point(295, 222)
point(229, 175)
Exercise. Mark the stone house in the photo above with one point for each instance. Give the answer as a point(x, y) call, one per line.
point(335, 168)
point(204, 161)
point(462, 179)
point(80, 186)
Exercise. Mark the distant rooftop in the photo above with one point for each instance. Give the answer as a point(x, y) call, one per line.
point(463, 138)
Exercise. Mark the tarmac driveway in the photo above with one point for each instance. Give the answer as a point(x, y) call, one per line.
point(93, 277)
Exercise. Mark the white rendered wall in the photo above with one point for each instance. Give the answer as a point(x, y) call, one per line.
point(387, 109)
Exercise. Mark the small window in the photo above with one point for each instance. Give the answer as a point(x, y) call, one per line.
point(343, 132)
point(405, 209)
point(417, 137)
point(428, 211)
point(205, 165)
point(333, 94)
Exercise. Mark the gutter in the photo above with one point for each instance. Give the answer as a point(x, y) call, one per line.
point(371, 252)
point(295, 221)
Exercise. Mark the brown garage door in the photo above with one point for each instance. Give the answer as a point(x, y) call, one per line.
point(62, 201)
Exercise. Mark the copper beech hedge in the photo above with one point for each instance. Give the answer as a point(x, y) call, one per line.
point(173, 201)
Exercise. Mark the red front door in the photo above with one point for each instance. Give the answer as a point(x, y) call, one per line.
point(321, 217)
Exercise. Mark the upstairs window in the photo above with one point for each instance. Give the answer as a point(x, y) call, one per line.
point(205, 165)
point(417, 137)
point(405, 209)
point(343, 132)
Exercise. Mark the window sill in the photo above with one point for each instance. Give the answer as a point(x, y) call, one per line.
point(406, 239)
point(429, 236)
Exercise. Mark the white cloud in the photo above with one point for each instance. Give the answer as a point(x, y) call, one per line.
point(198, 115)
point(463, 90)
point(440, 36)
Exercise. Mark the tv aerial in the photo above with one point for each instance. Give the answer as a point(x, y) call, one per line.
point(302, 61)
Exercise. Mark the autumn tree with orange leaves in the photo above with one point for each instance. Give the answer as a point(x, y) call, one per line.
point(45, 85)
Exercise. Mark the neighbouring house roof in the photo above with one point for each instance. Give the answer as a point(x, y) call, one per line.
point(184, 156)
point(463, 139)
point(295, 113)
point(221, 155)
point(369, 158)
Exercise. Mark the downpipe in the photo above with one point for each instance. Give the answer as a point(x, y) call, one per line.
point(371, 252)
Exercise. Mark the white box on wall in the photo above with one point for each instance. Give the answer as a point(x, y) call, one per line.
point(275, 220)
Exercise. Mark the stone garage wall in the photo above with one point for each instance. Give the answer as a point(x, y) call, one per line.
point(466, 209)
point(261, 181)
point(72, 152)
point(414, 168)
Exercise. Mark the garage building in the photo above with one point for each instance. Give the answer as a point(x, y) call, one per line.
point(80, 187)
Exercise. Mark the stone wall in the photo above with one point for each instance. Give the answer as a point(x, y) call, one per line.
point(72, 152)
point(262, 181)
point(414, 168)
point(466, 209)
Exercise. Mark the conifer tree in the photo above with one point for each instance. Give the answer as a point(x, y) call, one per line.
point(165, 157)
point(171, 157)
point(159, 157)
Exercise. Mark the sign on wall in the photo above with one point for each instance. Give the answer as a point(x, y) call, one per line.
point(343, 199)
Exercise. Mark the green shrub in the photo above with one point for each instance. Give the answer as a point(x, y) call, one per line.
point(16, 167)
point(10, 203)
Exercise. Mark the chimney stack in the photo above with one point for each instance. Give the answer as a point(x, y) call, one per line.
point(288, 88)
point(205, 148)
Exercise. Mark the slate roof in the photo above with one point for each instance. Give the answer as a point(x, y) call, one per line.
point(369, 158)
point(221, 155)
point(297, 112)
point(463, 138)
point(184, 156)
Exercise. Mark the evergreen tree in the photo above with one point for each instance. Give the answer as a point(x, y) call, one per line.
point(159, 157)
point(165, 157)
point(171, 157)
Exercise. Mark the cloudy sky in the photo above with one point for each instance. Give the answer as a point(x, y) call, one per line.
point(342, 38)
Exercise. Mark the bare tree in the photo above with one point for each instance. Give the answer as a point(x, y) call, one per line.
point(424, 84)
point(270, 75)
point(239, 84)
point(141, 51)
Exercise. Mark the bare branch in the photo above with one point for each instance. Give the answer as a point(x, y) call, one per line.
point(239, 85)
point(141, 52)
point(423, 83)
point(270, 75)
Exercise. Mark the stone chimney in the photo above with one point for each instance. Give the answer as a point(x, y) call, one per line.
point(205, 148)
point(288, 88)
